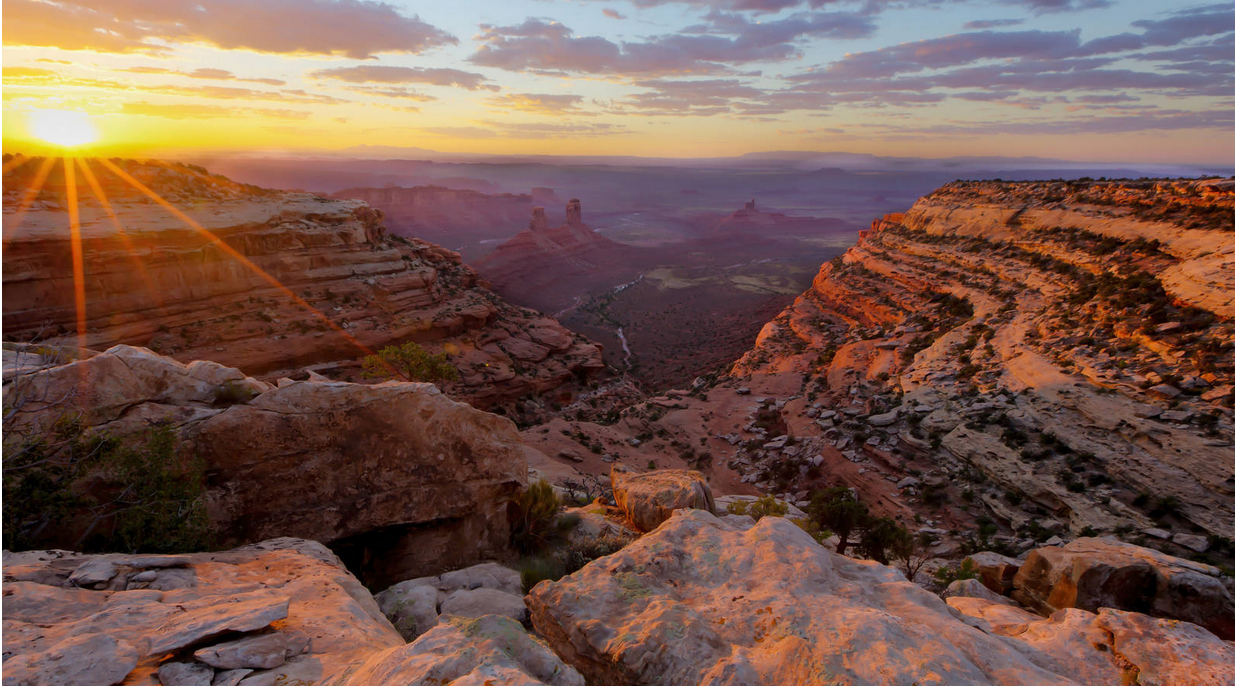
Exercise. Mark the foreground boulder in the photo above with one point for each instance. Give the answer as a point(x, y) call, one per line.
point(491, 650)
point(285, 608)
point(704, 600)
point(283, 611)
point(649, 498)
point(996, 571)
point(415, 606)
point(1091, 573)
point(398, 478)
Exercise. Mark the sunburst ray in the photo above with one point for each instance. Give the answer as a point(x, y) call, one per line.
point(232, 252)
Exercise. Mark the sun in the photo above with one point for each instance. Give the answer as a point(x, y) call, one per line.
point(65, 128)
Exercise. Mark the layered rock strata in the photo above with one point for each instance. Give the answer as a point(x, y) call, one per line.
point(266, 281)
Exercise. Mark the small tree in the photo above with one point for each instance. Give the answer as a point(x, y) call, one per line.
point(838, 510)
point(411, 362)
point(883, 538)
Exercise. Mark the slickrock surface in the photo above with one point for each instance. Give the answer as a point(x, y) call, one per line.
point(1089, 573)
point(488, 651)
point(284, 611)
point(703, 600)
point(399, 478)
point(159, 283)
point(293, 594)
point(415, 606)
point(537, 266)
point(649, 498)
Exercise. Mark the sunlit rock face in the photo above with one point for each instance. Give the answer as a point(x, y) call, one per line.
point(1090, 573)
point(1061, 350)
point(266, 281)
point(283, 611)
point(727, 601)
point(401, 480)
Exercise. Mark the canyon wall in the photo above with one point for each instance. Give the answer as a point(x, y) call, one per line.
point(269, 282)
point(1066, 349)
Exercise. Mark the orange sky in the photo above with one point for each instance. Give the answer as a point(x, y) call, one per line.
point(1083, 80)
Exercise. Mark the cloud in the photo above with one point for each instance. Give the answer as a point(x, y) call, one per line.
point(718, 46)
point(613, 14)
point(991, 23)
point(540, 103)
point(1050, 6)
point(203, 73)
point(28, 73)
point(490, 128)
point(196, 111)
point(955, 50)
point(202, 91)
point(392, 92)
point(473, 132)
point(386, 74)
point(691, 98)
point(360, 29)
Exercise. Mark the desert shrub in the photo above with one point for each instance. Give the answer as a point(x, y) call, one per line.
point(411, 362)
point(962, 571)
point(767, 506)
point(141, 494)
point(532, 520)
point(232, 393)
point(536, 569)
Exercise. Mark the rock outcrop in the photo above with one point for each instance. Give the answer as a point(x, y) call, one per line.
point(1063, 348)
point(534, 267)
point(1090, 573)
point(268, 282)
point(415, 606)
point(704, 600)
point(649, 498)
point(284, 611)
point(397, 477)
point(295, 597)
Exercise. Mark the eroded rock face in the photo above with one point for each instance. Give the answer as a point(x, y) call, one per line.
point(1091, 573)
point(399, 478)
point(296, 281)
point(649, 498)
point(467, 652)
point(414, 606)
point(298, 612)
point(284, 611)
point(1034, 334)
point(704, 600)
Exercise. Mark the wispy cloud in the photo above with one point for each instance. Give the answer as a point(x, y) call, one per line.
point(369, 73)
point(360, 29)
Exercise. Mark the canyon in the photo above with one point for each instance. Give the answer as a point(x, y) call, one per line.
point(1002, 363)
point(461, 219)
point(545, 265)
point(1035, 377)
point(273, 282)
